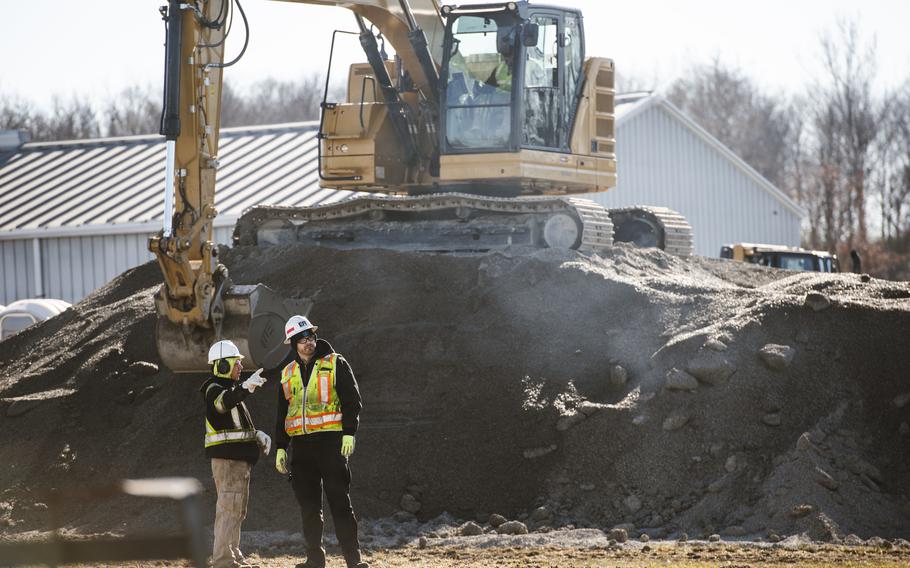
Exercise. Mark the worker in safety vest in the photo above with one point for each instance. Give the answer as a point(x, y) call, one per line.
point(233, 444)
point(318, 413)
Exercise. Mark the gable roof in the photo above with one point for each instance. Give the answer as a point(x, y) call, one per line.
point(628, 106)
point(117, 184)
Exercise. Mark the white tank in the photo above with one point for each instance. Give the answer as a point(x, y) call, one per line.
point(23, 313)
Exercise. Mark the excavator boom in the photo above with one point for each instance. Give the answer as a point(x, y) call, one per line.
point(197, 304)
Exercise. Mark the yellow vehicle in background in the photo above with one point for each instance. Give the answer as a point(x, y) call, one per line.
point(779, 256)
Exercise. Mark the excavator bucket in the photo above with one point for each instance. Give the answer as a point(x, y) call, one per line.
point(254, 318)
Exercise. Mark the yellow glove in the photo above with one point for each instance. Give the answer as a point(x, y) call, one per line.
point(281, 461)
point(347, 446)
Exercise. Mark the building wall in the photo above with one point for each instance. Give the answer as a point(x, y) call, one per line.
point(16, 270)
point(73, 267)
point(662, 162)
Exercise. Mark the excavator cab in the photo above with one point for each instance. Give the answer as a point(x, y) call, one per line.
point(513, 81)
point(511, 78)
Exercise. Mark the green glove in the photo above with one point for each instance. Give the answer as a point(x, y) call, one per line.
point(347, 445)
point(281, 461)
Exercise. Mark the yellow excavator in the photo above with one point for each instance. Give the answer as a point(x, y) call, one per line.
point(478, 135)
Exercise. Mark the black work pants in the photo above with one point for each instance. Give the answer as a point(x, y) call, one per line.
point(317, 464)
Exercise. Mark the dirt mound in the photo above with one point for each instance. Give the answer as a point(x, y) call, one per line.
point(636, 389)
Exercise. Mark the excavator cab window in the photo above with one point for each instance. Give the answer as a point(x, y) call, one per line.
point(541, 96)
point(540, 53)
point(478, 88)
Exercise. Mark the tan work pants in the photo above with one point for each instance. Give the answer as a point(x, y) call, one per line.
point(232, 482)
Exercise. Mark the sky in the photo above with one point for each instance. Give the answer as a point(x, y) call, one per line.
point(97, 48)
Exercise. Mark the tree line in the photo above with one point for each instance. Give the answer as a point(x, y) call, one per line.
point(839, 148)
point(137, 110)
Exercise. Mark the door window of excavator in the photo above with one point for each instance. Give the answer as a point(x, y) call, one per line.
point(541, 92)
point(575, 54)
point(553, 76)
point(479, 85)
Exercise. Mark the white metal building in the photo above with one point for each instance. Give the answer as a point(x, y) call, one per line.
point(664, 158)
point(75, 214)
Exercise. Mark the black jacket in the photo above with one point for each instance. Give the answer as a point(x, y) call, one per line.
point(345, 386)
point(233, 399)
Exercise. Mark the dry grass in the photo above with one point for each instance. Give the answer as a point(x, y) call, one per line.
point(664, 555)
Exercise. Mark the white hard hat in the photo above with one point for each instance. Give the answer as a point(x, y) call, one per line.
point(295, 325)
point(222, 350)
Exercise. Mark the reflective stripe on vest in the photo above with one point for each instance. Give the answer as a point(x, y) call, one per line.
point(317, 409)
point(216, 437)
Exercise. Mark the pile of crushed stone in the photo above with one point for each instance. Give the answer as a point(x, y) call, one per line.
point(634, 391)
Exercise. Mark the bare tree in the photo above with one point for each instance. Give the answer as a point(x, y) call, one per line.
point(628, 82)
point(848, 118)
point(756, 126)
point(271, 101)
point(69, 121)
point(892, 177)
point(136, 110)
point(15, 113)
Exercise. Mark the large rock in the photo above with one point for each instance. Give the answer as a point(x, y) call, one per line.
point(618, 534)
point(678, 379)
point(777, 357)
point(817, 301)
point(512, 527)
point(710, 367)
point(470, 528)
point(496, 520)
point(715, 345)
point(618, 376)
point(632, 503)
point(540, 514)
point(410, 503)
point(675, 421)
point(824, 479)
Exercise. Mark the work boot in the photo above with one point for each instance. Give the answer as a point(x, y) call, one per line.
point(315, 558)
point(245, 562)
point(353, 560)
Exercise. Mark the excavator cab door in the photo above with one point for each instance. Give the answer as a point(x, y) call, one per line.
point(552, 70)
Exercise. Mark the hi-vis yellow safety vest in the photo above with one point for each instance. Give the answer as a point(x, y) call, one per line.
point(317, 409)
point(236, 425)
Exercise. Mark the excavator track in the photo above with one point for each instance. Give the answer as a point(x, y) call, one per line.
point(450, 222)
point(648, 226)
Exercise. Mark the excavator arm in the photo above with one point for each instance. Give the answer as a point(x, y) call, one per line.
point(198, 304)
point(190, 123)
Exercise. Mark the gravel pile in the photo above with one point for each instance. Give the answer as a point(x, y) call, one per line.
point(524, 392)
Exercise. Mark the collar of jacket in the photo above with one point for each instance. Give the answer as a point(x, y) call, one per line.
point(227, 383)
point(323, 348)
